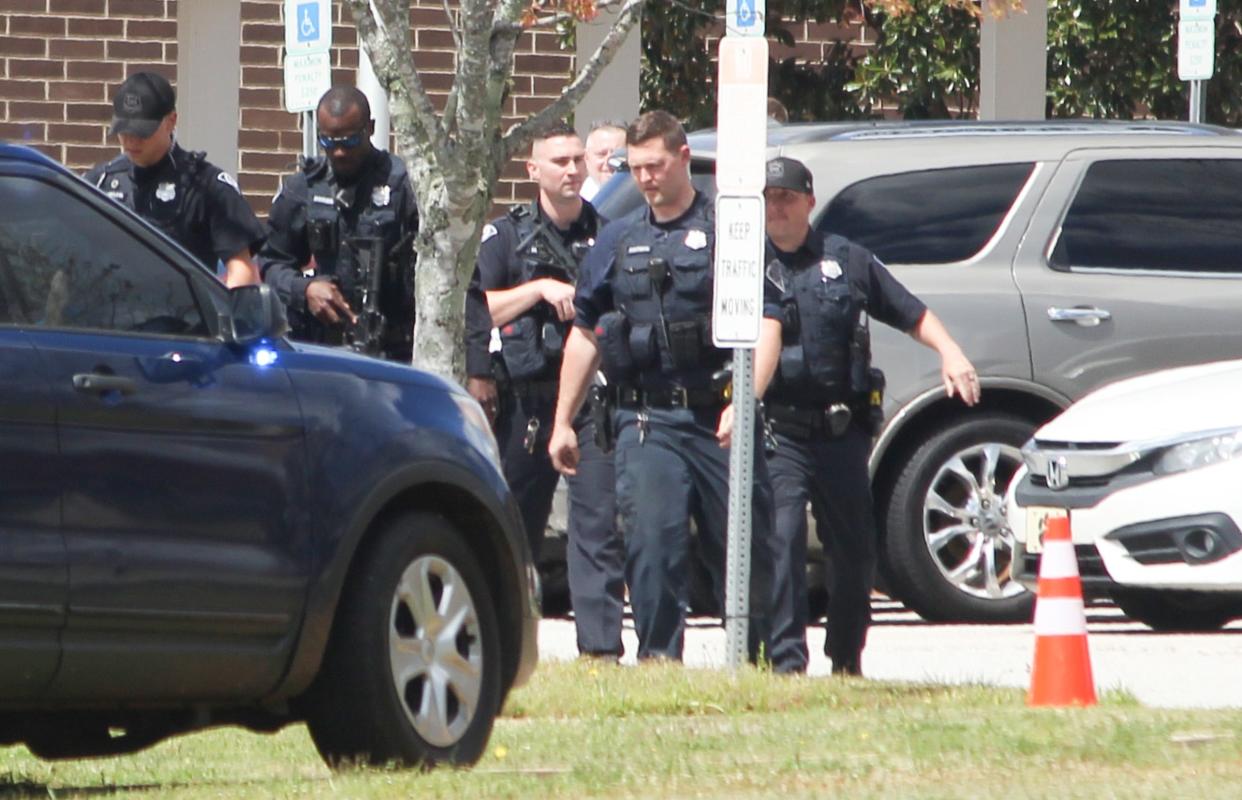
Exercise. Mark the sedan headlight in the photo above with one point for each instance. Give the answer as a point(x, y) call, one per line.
point(477, 426)
point(1202, 452)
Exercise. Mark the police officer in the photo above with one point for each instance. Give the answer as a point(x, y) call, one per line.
point(527, 266)
point(340, 246)
point(823, 408)
point(644, 304)
point(192, 201)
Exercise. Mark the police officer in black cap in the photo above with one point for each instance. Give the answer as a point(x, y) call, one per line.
point(527, 266)
point(195, 203)
point(644, 303)
point(340, 245)
point(823, 408)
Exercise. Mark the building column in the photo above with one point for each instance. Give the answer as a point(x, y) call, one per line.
point(209, 79)
point(615, 93)
point(1013, 64)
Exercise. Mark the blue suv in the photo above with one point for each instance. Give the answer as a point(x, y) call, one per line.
point(202, 523)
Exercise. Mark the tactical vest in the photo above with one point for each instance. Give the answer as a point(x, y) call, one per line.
point(823, 316)
point(331, 221)
point(532, 344)
point(117, 181)
point(662, 286)
point(328, 217)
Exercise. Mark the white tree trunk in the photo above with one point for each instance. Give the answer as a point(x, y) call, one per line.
point(454, 158)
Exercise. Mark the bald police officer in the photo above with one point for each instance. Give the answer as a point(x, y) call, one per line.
point(192, 201)
point(340, 245)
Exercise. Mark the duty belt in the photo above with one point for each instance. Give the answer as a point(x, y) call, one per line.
point(668, 397)
point(800, 422)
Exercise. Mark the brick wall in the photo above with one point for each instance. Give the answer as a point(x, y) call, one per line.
point(62, 60)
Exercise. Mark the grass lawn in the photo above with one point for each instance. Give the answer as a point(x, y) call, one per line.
point(583, 730)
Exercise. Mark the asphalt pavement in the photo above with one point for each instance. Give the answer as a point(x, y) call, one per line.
point(1162, 670)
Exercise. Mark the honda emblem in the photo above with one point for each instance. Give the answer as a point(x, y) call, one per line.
point(1056, 474)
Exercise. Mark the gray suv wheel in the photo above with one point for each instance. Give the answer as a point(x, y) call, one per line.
point(948, 543)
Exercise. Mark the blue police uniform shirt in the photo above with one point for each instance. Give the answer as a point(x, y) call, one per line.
point(594, 295)
point(498, 267)
point(190, 199)
point(887, 299)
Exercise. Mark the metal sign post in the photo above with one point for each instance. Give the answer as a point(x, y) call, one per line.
point(1196, 49)
point(737, 304)
point(308, 67)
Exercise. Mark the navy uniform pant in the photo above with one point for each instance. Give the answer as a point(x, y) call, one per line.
point(832, 475)
point(676, 471)
point(595, 552)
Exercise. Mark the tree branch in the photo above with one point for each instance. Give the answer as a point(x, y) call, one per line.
point(468, 99)
point(386, 43)
point(516, 138)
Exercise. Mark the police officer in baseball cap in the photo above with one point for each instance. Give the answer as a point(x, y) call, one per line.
point(194, 202)
point(823, 407)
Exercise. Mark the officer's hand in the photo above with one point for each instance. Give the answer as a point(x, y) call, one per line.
point(483, 390)
point(960, 378)
point(325, 301)
point(724, 430)
point(563, 448)
point(560, 296)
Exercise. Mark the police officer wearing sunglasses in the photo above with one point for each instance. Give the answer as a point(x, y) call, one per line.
point(340, 250)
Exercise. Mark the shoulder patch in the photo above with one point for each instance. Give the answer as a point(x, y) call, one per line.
point(489, 231)
point(228, 180)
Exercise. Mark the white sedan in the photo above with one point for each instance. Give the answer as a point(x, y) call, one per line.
point(1149, 470)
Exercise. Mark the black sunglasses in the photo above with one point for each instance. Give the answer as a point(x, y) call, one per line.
point(345, 142)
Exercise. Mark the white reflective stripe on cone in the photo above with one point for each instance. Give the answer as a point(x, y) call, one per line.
point(1058, 560)
point(1060, 616)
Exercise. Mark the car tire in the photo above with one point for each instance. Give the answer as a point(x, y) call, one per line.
point(1178, 611)
point(945, 528)
point(412, 675)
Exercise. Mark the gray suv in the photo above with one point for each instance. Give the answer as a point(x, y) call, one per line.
point(1061, 256)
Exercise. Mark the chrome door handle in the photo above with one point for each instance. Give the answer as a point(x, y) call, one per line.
point(1085, 316)
point(95, 383)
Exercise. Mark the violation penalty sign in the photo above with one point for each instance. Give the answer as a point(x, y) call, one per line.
point(737, 301)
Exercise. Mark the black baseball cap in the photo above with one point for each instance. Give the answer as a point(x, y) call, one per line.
point(141, 104)
point(789, 173)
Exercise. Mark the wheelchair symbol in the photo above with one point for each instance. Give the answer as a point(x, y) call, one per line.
point(308, 22)
point(746, 13)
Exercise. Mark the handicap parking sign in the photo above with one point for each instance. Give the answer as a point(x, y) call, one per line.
point(308, 22)
point(308, 26)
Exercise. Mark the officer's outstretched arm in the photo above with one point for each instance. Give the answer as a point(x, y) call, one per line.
point(956, 371)
point(579, 364)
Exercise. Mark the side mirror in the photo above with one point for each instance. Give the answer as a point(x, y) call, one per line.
point(255, 312)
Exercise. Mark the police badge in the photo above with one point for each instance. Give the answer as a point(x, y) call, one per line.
point(696, 239)
point(166, 192)
point(380, 196)
point(829, 269)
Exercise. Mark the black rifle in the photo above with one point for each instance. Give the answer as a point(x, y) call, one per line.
point(371, 257)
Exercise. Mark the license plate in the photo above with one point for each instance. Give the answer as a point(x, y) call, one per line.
point(1037, 523)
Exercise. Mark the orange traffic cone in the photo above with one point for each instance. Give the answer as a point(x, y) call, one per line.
point(1061, 674)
